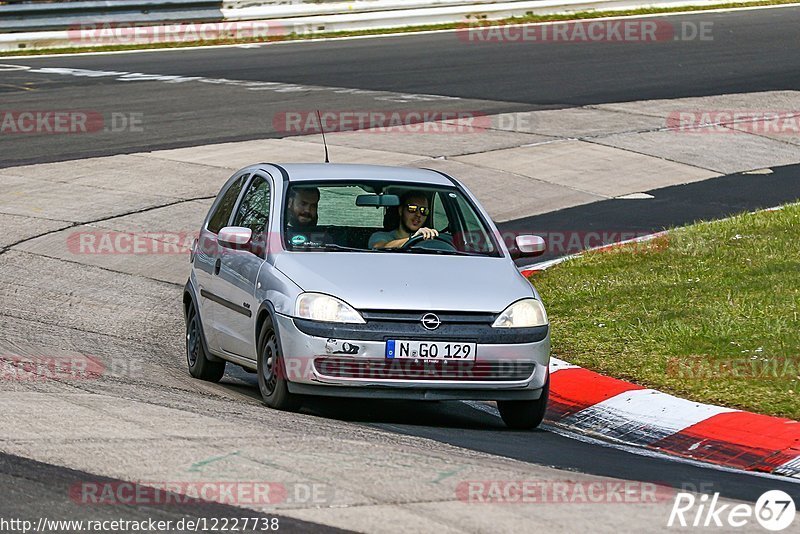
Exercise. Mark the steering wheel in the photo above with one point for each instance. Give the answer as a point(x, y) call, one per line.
point(417, 240)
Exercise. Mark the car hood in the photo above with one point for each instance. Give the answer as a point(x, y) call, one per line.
point(406, 281)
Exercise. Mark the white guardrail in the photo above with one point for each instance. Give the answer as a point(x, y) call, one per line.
point(101, 23)
point(62, 15)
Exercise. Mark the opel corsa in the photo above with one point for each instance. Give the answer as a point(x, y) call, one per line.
point(365, 281)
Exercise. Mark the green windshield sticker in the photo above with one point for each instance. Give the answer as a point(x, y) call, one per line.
point(298, 240)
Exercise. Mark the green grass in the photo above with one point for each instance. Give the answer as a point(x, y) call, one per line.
point(530, 17)
point(709, 312)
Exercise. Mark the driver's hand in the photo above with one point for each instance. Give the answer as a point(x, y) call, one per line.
point(426, 233)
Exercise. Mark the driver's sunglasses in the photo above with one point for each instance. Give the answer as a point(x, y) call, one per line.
point(411, 208)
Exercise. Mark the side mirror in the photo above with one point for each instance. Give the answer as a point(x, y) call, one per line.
point(236, 237)
point(528, 246)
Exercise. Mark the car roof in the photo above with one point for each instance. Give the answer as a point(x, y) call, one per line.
point(321, 172)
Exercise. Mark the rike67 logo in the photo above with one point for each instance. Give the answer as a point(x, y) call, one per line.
point(774, 510)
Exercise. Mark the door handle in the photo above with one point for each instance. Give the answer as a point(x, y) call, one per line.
point(217, 265)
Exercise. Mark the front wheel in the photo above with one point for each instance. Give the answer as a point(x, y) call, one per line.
point(525, 414)
point(271, 375)
point(197, 359)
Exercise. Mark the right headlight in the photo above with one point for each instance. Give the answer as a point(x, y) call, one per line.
point(319, 307)
point(523, 313)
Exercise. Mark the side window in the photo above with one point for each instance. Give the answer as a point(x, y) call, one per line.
point(476, 239)
point(254, 210)
point(439, 214)
point(222, 213)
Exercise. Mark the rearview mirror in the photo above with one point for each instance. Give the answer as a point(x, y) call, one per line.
point(378, 201)
point(528, 246)
point(236, 237)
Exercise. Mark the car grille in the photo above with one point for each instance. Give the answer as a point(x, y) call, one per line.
point(414, 317)
point(382, 325)
point(407, 369)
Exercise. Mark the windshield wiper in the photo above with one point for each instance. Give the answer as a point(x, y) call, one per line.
point(440, 251)
point(333, 247)
point(327, 247)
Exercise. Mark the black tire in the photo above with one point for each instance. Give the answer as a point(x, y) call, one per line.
point(525, 414)
point(271, 371)
point(197, 359)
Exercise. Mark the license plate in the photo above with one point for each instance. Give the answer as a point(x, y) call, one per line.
point(430, 350)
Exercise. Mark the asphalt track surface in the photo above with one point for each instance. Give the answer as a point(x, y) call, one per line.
point(670, 207)
point(34, 488)
point(751, 51)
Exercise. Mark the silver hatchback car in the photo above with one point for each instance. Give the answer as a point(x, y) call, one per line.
point(365, 281)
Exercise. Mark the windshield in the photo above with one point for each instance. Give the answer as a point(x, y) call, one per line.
point(384, 218)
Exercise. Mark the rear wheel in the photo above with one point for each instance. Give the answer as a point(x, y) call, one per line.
point(197, 359)
point(525, 414)
point(271, 371)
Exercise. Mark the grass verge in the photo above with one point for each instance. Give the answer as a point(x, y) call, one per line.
point(529, 18)
point(709, 312)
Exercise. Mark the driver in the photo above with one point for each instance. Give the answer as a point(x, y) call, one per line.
point(413, 210)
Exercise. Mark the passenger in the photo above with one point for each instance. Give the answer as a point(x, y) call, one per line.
point(303, 204)
point(302, 217)
point(413, 210)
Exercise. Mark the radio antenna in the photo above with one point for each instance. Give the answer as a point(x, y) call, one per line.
point(324, 142)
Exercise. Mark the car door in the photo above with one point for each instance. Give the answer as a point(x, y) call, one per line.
point(206, 257)
point(235, 283)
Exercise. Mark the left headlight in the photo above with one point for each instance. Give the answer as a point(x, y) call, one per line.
point(319, 307)
point(521, 314)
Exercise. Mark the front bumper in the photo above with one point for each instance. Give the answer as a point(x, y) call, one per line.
point(322, 365)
